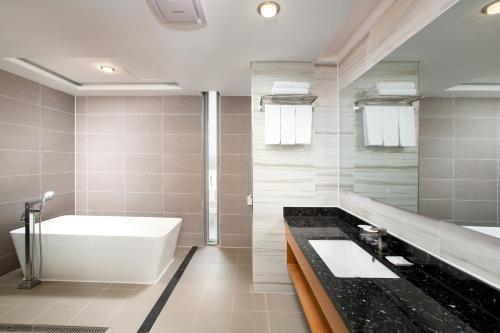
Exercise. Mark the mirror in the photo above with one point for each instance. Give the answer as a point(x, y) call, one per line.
point(421, 129)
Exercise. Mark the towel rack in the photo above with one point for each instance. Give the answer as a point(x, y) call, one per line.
point(385, 100)
point(288, 99)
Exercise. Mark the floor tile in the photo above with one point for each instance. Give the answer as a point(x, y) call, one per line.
point(58, 315)
point(216, 299)
point(126, 320)
point(173, 320)
point(281, 322)
point(208, 321)
point(112, 298)
point(23, 314)
point(244, 301)
point(249, 322)
point(282, 303)
point(93, 316)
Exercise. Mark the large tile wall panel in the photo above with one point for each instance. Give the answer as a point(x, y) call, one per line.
point(302, 175)
point(141, 156)
point(235, 175)
point(37, 154)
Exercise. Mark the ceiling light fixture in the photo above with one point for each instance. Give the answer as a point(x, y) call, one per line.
point(268, 9)
point(107, 69)
point(493, 8)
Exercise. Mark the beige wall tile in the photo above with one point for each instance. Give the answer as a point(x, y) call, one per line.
point(81, 105)
point(183, 144)
point(183, 124)
point(183, 183)
point(183, 104)
point(58, 120)
point(104, 143)
point(106, 182)
point(105, 124)
point(57, 162)
point(228, 240)
point(235, 224)
point(236, 124)
point(13, 163)
point(143, 143)
point(183, 163)
point(19, 137)
point(18, 112)
point(15, 86)
point(106, 163)
point(144, 202)
point(143, 124)
point(236, 144)
point(144, 163)
point(106, 201)
point(190, 239)
point(143, 182)
point(235, 105)
point(105, 105)
point(191, 222)
point(142, 105)
point(62, 142)
point(58, 100)
point(19, 188)
point(235, 184)
point(234, 204)
point(59, 182)
point(235, 164)
point(187, 203)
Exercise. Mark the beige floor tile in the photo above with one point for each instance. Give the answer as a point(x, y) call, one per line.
point(244, 301)
point(185, 297)
point(208, 321)
point(23, 314)
point(4, 309)
point(77, 296)
point(281, 322)
point(245, 251)
point(93, 316)
point(12, 279)
point(244, 278)
point(58, 315)
point(282, 303)
point(173, 320)
point(216, 299)
point(126, 320)
point(249, 322)
point(144, 296)
point(10, 295)
point(112, 298)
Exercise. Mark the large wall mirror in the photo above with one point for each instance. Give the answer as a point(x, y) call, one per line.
point(421, 129)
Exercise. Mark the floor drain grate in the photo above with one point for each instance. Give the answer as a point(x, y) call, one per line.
point(50, 329)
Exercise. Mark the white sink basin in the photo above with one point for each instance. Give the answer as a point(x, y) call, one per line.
point(347, 259)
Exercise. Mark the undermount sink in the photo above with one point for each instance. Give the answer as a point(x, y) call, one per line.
point(347, 259)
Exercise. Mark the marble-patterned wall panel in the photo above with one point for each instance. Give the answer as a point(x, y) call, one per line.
point(300, 175)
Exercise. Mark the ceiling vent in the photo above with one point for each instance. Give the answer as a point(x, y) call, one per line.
point(180, 12)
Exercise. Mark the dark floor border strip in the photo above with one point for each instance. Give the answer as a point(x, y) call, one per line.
point(165, 295)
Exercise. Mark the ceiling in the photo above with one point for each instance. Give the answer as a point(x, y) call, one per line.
point(462, 46)
point(72, 37)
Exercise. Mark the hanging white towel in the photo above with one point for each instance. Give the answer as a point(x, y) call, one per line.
point(272, 124)
point(288, 124)
point(407, 137)
point(303, 124)
point(393, 91)
point(373, 125)
point(395, 85)
point(391, 126)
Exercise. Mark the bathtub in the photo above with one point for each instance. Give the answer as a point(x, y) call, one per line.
point(115, 249)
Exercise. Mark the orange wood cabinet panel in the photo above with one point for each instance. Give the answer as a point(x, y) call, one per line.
point(321, 314)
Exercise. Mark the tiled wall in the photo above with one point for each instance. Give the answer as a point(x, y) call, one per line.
point(235, 172)
point(299, 175)
point(459, 160)
point(141, 156)
point(36, 154)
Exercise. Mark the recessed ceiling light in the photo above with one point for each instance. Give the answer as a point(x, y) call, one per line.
point(107, 69)
point(268, 9)
point(493, 8)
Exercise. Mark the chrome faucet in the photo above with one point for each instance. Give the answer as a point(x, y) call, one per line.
point(381, 239)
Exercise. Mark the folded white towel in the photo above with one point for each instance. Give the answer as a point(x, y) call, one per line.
point(288, 124)
point(395, 85)
point(391, 126)
point(407, 137)
point(290, 91)
point(303, 124)
point(373, 125)
point(393, 91)
point(290, 87)
point(272, 124)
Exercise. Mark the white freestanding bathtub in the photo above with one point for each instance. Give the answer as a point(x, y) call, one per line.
point(114, 249)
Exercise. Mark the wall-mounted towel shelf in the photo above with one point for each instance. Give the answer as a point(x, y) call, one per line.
point(385, 100)
point(287, 100)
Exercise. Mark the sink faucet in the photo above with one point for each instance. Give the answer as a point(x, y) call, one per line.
point(381, 239)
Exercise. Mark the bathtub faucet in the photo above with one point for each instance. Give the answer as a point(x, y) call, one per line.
point(31, 212)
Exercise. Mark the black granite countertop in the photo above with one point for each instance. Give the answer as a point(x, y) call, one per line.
point(430, 296)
